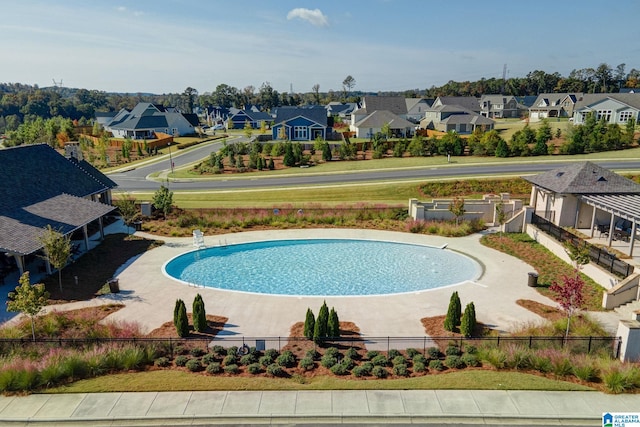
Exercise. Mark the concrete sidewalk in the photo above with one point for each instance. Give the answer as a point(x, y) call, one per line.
point(371, 407)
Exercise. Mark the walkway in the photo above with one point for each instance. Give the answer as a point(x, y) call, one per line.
point(364, 407)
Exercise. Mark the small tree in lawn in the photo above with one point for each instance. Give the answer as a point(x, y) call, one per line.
point(578, 253)
point(333, 324)
point(127, 208)
point(569, 295)
point(454, 312)
point(309, 324)
point(182, 321)
point(57, 249)
point(457, 208)
point(163, 199)
point(28, 299)
point(501, 216)
point(199, 314)
point(468, 322)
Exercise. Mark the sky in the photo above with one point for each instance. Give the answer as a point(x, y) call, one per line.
point(165, 46)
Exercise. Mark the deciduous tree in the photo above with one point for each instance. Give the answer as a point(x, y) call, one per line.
point(163, 200)
point(57, 249)
point(28, 299)
point(569, 295)
point(128, 211)
point(457, 208)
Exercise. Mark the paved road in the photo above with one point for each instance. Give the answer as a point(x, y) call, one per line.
point(137, 179)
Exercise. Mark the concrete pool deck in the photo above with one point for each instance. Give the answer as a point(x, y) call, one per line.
point(149, 296)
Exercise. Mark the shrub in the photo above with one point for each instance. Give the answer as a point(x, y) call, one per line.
point(434, 353)
point(229, 359)
point(162, 362)
point(401, 370)
point(586, 372)
point(454, 312)
point(495, 357)
point(371, 354)
point(313, 354)
point(399, 360)
point(254, 368)
point(265, 360)
point(214, 368)
point(562, 367)
point(470, 360)
point(194, 365)
point(470, 349)
point(452, 350)
point(454, 362)
point(209, 358)
point(541, 363)
point(412, 352)
point(518, 358)
point(380, 360)
point(286, 359)
point(199, 314)
point(352, 353)
point(436, 365)
point(197, 352)
point(363, 370)
point(393, 353)
point(307, 363)
point(332, 351)
point(231, 369)
point(339, 369)
point(275, 370)
point(219, 350)
point(248, 359)
point(309, 324)
point(468, 322)
point(348, 363)
point(328, 361)
point(182, 360)
point(233, 350)
point(380, 372)
point(272, 353)
point(419, 367)
point(182, 321)
point(419, 358)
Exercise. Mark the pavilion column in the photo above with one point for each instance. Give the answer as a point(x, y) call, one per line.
point(85, 234)
point(593, 220)
point(100, 222)
point(19, 262)
point(611, 229)
point(632, 238)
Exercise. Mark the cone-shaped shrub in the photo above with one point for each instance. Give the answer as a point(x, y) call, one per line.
point(333, 324)
point(199, 314)
point(320, 328)
point(453, 313)
point(468, 323)
point(182, 321)
point(176, 310)
point(309, 324)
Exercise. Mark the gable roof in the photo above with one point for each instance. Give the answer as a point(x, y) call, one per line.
point(552, 100)
point(314, 113)
point(629, 99)
point(396, 104)
point(379, 118)
point(584, 178)
point(469, 102)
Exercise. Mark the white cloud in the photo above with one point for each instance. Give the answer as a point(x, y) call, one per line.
point(315, 16)
point(121, 9)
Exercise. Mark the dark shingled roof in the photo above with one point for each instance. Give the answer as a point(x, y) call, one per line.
point(38, 186)
point(316, 114)
point(584, 178)
point(396, 104)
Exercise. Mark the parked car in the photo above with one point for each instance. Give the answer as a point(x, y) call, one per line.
point(218, 127)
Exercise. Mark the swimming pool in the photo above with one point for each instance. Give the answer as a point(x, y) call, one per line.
point(323, 267)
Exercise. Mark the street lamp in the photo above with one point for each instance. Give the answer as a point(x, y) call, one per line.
point(170, 159)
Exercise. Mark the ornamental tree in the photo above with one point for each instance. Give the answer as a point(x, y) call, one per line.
point(199, 314)
point(468, 322)
point(163, 199)
point(182, 321)
point(333, 324)
point(57, 249)
point(454, 312)
point(28, 299)
point(309, 324)
point(569, 295)
point(457, 208)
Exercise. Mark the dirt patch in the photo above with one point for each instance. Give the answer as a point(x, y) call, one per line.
point(299, 346)
point(542, 310)
point(215, 324)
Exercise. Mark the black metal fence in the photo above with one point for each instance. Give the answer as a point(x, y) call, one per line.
point(600, 256)
point(577, 345)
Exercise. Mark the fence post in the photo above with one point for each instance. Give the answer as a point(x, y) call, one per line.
point(618, 347)
point(424, 346)
point(589, 346)
point(530, 341)
point(388, 344)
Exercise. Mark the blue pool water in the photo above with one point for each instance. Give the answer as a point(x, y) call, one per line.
point(323, 267)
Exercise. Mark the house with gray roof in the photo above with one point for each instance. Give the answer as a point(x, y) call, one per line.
point(256, 119)
point(416, 108)
point(40, 187)
point(470, 103)
point(614, 108)
point(301, 123)
point(374, 122)
point(452, 117)
point(146, 119)
point(500, 106)
point(553, 105)
point(584, 196)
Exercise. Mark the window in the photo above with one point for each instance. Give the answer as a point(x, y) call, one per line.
point(300, 132)
point(604, 114)
point(625, 116)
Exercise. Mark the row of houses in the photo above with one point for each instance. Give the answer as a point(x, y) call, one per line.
point(402, 115)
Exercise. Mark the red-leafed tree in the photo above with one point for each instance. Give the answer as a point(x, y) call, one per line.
point(569, 295)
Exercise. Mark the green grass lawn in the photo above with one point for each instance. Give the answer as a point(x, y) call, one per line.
point(173, 380)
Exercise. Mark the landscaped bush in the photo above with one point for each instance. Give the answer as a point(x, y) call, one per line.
point(219, 350)
point(162, 362)
point(470, 349)
point(307, 363)
point(233, 350)
point(254, 368)
point(286, 359)
point(393, 353)
point(328, 361)
point(586, 372)
point(363, 370)
point(401, 370)
point(272, 353)
point(470, 359)
point(348, 363)
point(380, 360)
point(197, 352)
point(182, 360)
point(452, 350)
point(313, 354)
point(265, 360)
point(332, 351)
point(380, 372)
point(399, 360)
point(614, 381)
point(352, 353)
point(436, 365)
point(275, 370)
point(229, 359)
point(248, 359)
point(209, 358)
point(412, 352)
point(434, 353)
point(419, 358)
point(339, 369)
point(454, 362)
point(194, 365)
point(214, 368)
point(518, 358)
point(231, 369)
point(541, 363)
point(419, 367)
point(371, 354)
point(494, 356)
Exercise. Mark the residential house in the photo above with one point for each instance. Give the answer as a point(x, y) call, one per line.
point(445, 118)
point(614, 108)
point(374, 122)
point(341, 109)
point(500, 106)
point(256, 119)
point(553, 105)
point(146, 119)
point(470, 103)
point(40, 187)
point(301, 123)
point(416, 108)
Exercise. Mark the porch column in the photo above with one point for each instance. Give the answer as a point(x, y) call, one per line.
point(534, 198)
point(19, 262)
point(632, 237)
point(611, 230)
point(85, 233)
point(47, 265)
point(593, 220)
point(101, 225)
